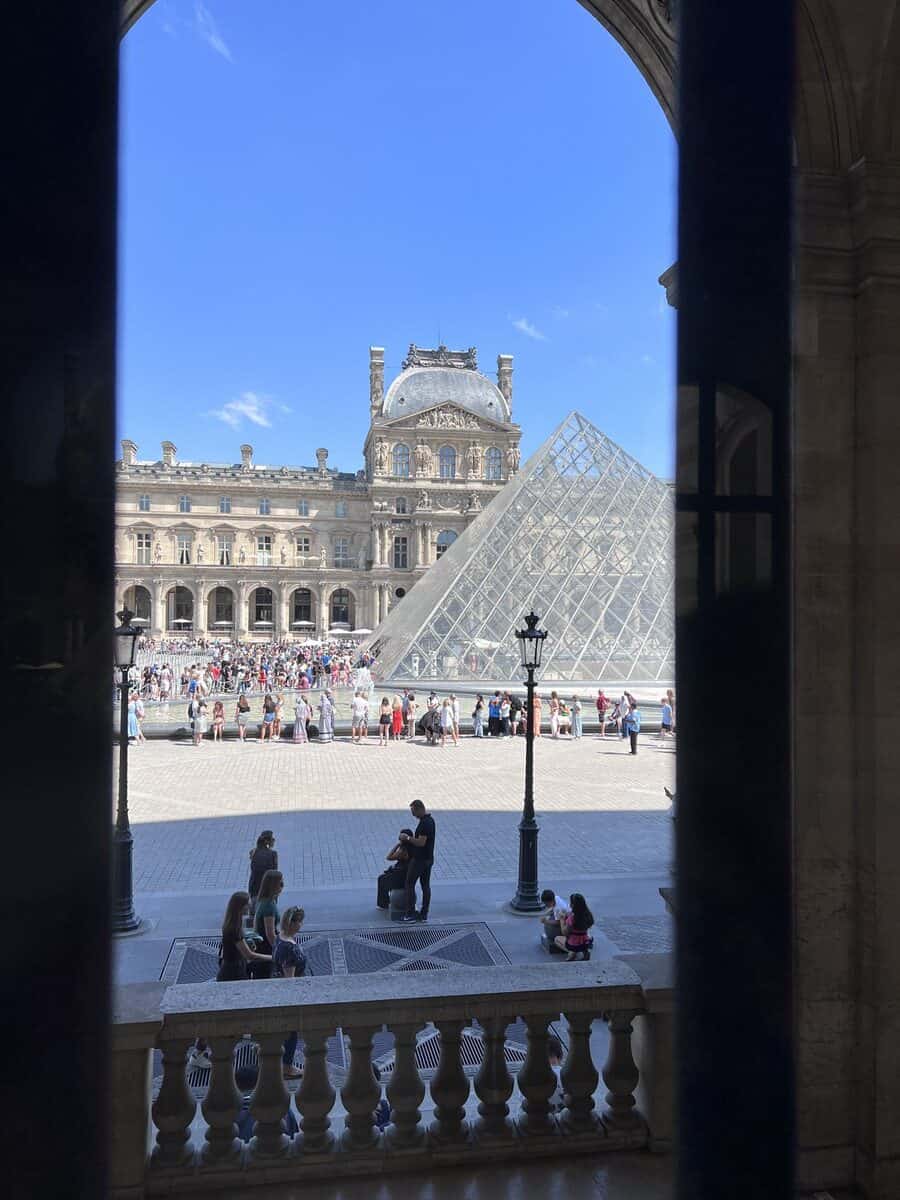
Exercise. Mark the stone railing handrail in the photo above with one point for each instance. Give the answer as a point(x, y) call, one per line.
point(155, 1151)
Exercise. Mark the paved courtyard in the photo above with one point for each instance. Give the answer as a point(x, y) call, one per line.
point(336, 810)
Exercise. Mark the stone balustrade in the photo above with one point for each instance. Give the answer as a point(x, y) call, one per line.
point(167, 1147)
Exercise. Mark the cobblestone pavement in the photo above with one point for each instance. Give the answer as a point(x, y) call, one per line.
point(336, 809)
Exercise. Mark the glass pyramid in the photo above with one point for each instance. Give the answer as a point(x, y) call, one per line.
point(583, 534)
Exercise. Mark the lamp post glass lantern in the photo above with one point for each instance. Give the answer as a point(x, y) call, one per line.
point(124, 919)
point(527, 898)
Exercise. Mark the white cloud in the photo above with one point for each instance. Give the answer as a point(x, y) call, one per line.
point(247, 407)
point(205, 26)
point(525, 326)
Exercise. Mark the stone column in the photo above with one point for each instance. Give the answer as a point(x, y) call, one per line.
point(201, 600)
point(386, 598)
point(158, 613)
point(429, 544)
point(375, 589)
point(283, 619)
point(241, 616)
point(322, 618)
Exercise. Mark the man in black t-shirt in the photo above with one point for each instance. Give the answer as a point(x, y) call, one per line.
point(421, 847)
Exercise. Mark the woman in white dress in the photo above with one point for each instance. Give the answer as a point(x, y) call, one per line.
point(302, 713)
point(326, 717)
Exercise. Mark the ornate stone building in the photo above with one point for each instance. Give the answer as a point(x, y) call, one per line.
point(253, 551)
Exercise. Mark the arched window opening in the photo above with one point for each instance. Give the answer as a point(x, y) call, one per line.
point(401, 506)
point(301, 608)
point(400, 463)
point(180, 610)
point(340, 607)
point(261, 607)
point(447, 462)
point(493, 463)
point(445, 539)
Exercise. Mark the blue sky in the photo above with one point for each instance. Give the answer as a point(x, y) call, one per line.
point(300, 181)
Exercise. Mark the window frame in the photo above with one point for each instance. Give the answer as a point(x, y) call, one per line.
point(447, 454)
point(493, 456)
point(140, 536)
point(225, 505)
point(341, 552)
point(400, 457)
point(141, 506)
point(302, 507)
point(184, 545)
point(400, 552)
point(264, 506)
point(184, 504)
point(263, 554)
point(401, 506)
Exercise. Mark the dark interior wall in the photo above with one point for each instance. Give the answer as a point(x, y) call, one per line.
point(58, 265)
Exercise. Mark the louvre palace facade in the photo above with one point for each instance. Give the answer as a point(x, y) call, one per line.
point(252, 551)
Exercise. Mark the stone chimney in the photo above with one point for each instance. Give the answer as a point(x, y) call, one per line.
point(504, 377)
point(169, 450)
point(246, 457)
point(322, 460)
point(376, 380)
point(129, 452)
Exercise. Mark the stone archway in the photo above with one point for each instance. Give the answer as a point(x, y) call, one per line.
point(179, 610)
point(221, 611)
point(137, 598)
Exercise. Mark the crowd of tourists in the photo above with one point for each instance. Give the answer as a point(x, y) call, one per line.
point(238, 667)
point(392, 719)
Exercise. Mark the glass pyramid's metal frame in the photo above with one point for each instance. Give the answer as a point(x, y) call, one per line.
point(584, 536)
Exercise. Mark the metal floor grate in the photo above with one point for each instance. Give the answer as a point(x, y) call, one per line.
point(356, 951)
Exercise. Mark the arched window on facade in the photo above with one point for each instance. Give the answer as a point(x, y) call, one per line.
point(180, 609)
point(493, 463)
point(340, 607)
point(447, 462)
point(400, 506)
point(400, 464)
point(444, 539)
point(261, 607)
point(301, 613)
point(137, 598)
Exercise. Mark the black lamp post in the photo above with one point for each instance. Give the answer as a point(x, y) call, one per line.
point(527, 898)
point(124, 919)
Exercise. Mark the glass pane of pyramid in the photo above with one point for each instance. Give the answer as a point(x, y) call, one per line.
point(584, 536)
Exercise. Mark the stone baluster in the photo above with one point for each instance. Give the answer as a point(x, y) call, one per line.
point(579, 1077)
point(537, 1079)
point(493, 1083)
point(361, 1092)
point(406, 1091)
point(270, 1101)
point(221, 1107)
point(620, 1074)
point(315, 1099)
point(450, 1087)
point(174, 1108)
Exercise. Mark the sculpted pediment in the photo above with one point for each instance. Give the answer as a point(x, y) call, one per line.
point(443, 416)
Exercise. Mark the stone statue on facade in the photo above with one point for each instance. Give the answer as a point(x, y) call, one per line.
point(376, 380)
point(283, 556)
point(361, 559)
point(424, 500)
point(473, 460)
point(512, 459)
point(199, 552)
point(423, 459)
point(380, 456)
point(157, 554)
point(323, 557)
point(242, 557)
point(474, 502)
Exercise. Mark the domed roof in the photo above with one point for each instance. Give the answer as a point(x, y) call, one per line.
point(418, 388)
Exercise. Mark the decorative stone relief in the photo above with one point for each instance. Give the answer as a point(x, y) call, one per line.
point(447, 418)
point(474, 502)
point(465, 360)
point(424, 500)
point(512, 459)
